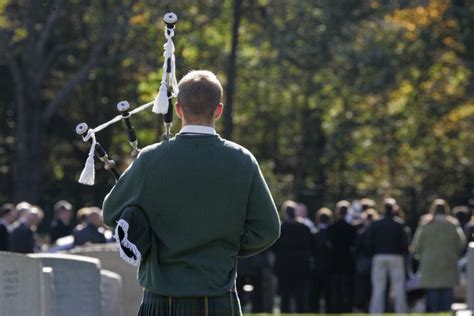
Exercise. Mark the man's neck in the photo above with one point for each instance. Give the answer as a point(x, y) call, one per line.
point(198, 129)
point(207, 124)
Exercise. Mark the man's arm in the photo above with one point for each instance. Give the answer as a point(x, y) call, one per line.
point(127, 192)
point(262, 223)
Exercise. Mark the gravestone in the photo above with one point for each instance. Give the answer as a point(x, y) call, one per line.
point(470, 276)
point(21, 281)
point(111, 293)
point(108, 254)
point(76, 282)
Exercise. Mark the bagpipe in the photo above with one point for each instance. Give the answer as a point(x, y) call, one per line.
point(163, 104)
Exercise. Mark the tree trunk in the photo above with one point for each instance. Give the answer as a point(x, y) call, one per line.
point(231, 72)
point(28, 156)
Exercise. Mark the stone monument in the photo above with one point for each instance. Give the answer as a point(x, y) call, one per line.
point(77, 283)
point(108, 254)
point(111, 292)
point(21, 281)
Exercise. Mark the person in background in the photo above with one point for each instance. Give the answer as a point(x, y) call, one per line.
point(61, 226)
point(463, 215)
point(469, 226)
point(302, 215)
point(367, 204)
point(20, 209)
point(7, 217)
point(341, 237)
point(22, 238)
point(92, 231)
point(388, 242)
point(363, 262)
point(292, 255)
point(439, 242)
point(81, 217)
point(358, 221)
point(320, 287)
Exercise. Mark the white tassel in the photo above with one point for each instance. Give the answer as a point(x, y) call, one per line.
point(88, 173)
point(161, 101)
point(161, 105)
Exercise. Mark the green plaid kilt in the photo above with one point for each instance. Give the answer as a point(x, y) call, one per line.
point(158, 305)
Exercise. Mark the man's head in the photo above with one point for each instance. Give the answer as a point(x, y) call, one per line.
point(439, 207)
point(323, 216)
point(22, 208)
point(63, 211)
point(94, 216)
point(342, 208)
point(199, 98)
point(288, 210)
point(390, 206)
point(7, 213)
point(367, 203)
point(33, 217)
point(370, 215)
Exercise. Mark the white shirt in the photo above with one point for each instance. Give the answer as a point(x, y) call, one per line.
point(198, 129)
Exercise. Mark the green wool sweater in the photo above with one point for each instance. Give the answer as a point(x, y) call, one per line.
point(206, 202)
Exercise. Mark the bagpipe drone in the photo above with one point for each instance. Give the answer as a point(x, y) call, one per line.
point(163, 104)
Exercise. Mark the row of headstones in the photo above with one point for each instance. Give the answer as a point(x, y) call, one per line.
point(58, 284)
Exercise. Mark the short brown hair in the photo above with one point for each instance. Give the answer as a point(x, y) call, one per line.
point(323, 215)
point(199, 93)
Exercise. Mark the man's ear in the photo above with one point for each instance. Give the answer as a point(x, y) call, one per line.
point(218, 111)
point(179, 110)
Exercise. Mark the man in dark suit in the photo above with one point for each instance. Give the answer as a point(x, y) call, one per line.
point(61, 226)
point(388, 242)
point(22, 239)
point(341, 237)
point(322, 263)
point(292, 254)
point(92, 232)
point(7, 217)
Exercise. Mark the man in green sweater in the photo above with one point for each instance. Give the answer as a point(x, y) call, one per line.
point(205, 203)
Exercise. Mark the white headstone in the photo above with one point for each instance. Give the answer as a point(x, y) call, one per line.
point(21, 281)
point(111, 292)
point(108, 254)
point(76, 282)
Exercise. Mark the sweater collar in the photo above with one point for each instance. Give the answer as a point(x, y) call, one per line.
point(197, 129)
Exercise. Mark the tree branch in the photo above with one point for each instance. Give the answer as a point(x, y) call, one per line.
point(48, 60)
point(17, 79)
point(48, 25)
point(104, 39)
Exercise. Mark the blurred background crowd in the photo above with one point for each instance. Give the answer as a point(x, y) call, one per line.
point(356, 257)
point(360, 258)
point(19, 223)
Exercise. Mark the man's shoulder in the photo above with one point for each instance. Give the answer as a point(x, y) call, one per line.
point(153, 148)
point(152, 151)
point(237, 149)
point(226, 147)
point(399, 220)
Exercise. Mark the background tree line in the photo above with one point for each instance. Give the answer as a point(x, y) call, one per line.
point(337, 99)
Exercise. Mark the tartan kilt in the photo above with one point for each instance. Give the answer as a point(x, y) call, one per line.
point(158, 305)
